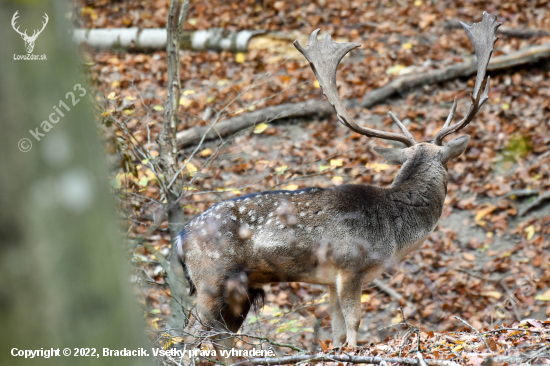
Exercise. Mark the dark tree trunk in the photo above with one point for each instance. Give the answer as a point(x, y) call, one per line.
point(65, 283)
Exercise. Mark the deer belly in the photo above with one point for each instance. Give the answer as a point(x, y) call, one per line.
point(275, 259)
point(400, 254)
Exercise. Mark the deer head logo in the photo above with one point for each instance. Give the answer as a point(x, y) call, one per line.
point(29, 41)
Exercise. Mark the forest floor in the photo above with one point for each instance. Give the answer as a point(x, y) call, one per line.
point(485, 263)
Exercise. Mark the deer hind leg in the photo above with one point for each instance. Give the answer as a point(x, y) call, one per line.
point(338, 321)
point(349, 293)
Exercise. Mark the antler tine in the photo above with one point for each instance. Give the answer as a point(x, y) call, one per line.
point(13, 19)
point(482, 36)
point(451, 115)
point(45, 16)
point(324, 57)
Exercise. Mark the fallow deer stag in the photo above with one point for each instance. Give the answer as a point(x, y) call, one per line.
point(340, 237)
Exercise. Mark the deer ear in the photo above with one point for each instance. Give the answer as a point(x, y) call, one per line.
point(392, 156)
point(454, 148)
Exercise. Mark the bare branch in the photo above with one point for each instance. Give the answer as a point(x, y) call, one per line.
point(475, 330)
point(319, 357)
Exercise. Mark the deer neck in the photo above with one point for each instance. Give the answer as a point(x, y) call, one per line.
point(417, 196)
point(419, 173)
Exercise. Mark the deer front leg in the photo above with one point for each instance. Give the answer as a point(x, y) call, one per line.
point(349, 293)
point(338, 321)
point(208, 320)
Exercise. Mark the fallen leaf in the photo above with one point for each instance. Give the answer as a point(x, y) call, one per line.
point(543, 297)
point(206, 152)
point(394, 70)
point(469, 256)
point(497, 295)
point(378, 167)
point(260, 128)
point(240, 57)
point(530, 230)
point(487, 209)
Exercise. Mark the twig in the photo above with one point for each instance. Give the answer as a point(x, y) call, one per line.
point(477, 332)
point(412, 330)
point(420, 359)
point(537, 353)
point(318, 357)
point(540, 199)
point(387, 289)
point(270, 341)
point(516, 329)
point(522, 192)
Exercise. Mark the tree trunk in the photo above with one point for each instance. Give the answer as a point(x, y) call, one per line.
point(65, 283)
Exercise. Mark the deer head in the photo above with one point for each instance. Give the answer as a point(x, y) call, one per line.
point(324, 57)
point(29, 40)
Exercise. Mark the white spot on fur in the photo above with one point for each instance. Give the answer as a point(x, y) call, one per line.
point(268, 221)
point(308, 229)
point(213, 255)
point(281, 226)
point(253, 218)
point(270, 214)
point(302, 214)
point(233, 217)
point(241, 209)
point(307, 203)
point(250, 213)
point(260, 220)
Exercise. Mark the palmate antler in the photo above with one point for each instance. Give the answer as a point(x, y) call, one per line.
point(324, 57)
point(482, 36)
